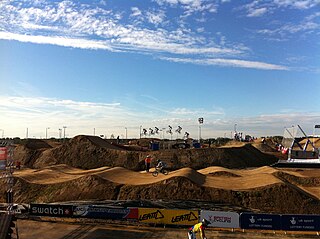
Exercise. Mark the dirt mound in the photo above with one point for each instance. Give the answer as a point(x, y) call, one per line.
point(88, 152)
point(223, 174)
point(263, 189)
point(234, 143)
point(264, 147)
point(97, 141)
point(218, 171)
point(37, 144)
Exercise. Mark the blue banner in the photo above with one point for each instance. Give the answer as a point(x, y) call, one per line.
point(260, 221)
point(102, 212)
point(300, 222)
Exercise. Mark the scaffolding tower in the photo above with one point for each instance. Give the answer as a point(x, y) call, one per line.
point(7, 148)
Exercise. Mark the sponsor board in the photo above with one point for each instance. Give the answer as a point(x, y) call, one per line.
point(3, 164)
point(168, 216)
point(102, 212)
point(3, 153)
point(50, 210)
point(300, 222)
point(221, 219)
point(3, 157)
point(260, 221)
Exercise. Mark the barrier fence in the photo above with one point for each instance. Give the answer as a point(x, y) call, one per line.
point(218, 219)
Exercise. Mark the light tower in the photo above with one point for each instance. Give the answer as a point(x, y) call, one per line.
point(64, 132)
point(200, 120)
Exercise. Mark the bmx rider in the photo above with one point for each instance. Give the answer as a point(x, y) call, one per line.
point(199, 227)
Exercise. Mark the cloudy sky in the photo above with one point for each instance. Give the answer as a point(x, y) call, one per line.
point(115, 66)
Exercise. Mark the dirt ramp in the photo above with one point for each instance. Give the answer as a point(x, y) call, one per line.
point(218, 172)
point(97, 141)
point(37, 144)
point(88, 152)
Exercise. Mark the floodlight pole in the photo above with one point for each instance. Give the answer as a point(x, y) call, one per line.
point(47, 132)
point(64, 132)
point(200, 120)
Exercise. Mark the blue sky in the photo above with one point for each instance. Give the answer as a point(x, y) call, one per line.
point(114, 66)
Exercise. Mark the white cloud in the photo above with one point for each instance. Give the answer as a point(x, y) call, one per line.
point(258, 8)
point(74, 26)
point(257, 12)
point(82, 26)
point(156, 18)
point(135, 12)
point(191, 6)
point(287, 30)
point(298, 4)
point(59, 41)
point(229, 62)
point(194, 113)
point(38, 113)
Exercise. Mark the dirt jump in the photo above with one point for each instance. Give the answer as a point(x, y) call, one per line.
point(236, 176)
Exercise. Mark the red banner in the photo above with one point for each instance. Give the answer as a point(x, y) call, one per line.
point(3, 153)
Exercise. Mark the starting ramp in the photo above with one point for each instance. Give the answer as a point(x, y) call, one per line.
point(301, 150)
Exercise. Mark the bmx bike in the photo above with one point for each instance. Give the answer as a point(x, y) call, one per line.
point(157, 171)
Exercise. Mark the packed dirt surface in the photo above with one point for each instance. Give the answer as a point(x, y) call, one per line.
point(89, 168)
point(55, 230)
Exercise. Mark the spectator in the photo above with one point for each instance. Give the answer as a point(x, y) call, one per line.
point(18, 165)
point(147, 161)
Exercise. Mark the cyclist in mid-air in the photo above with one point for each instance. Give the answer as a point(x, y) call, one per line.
point(199, 227)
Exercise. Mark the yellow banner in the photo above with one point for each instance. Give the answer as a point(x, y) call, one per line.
point(168, 216)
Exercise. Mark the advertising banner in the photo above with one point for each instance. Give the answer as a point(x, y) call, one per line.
point(102, 212)
point(50, 210)
point(300, 222)
point(168, 216)
point(221, 219)
point(260, 221)
point(3, 157)
point(150, 215)
point(181, 217)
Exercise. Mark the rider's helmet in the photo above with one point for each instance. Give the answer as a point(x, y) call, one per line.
point(205, 222)
point(158, 160)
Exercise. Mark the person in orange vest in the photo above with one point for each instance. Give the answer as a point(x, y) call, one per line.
point(147, 161)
